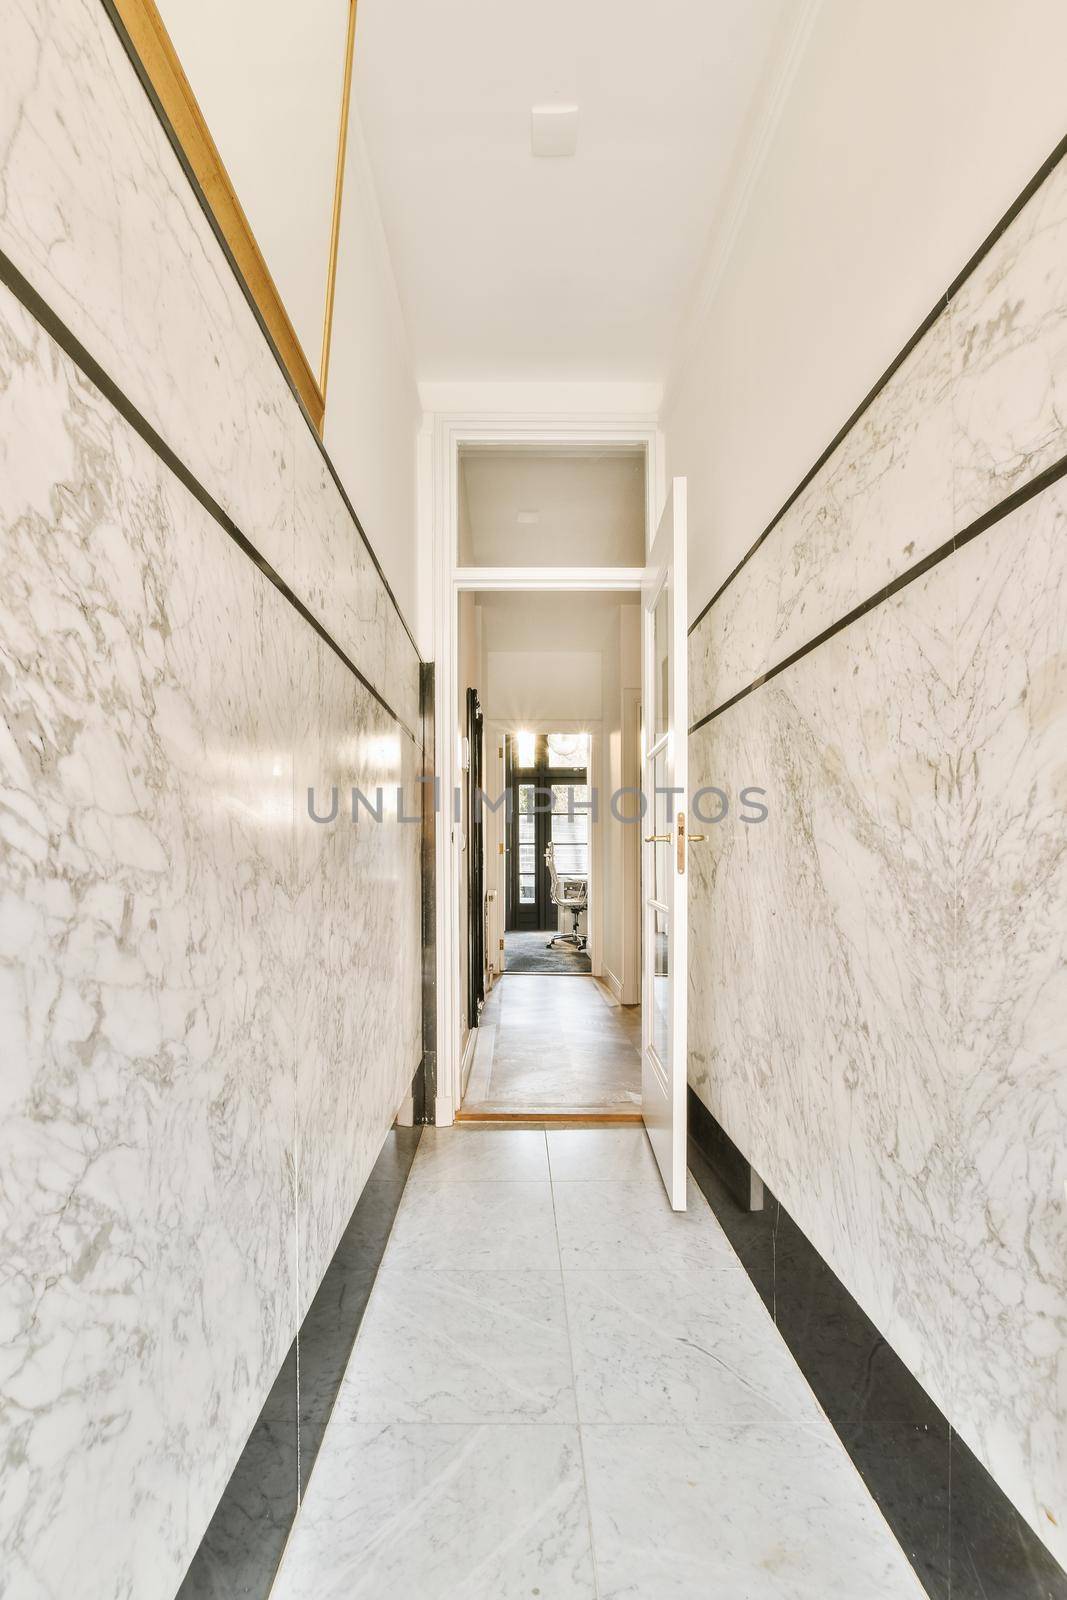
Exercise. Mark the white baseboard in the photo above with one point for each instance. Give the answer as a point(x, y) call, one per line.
point(468, 1059)
point(444, 1112)
point(405, 1117)
point(613, 983)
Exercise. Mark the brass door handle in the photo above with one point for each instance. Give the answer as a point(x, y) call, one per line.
point(694, 838)
point(658, 838)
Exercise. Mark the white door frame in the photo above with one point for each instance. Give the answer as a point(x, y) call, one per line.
point(450, 579)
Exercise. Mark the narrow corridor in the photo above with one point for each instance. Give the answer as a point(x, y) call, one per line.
point(562, 1389)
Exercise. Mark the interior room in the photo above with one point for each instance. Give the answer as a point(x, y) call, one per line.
point(557, 678)
point(533, 878)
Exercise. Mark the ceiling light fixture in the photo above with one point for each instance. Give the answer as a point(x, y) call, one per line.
point(553, 130)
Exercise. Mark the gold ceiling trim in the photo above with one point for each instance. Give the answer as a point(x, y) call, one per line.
point(338, 194)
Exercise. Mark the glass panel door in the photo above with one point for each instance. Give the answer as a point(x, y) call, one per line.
point(549, 805)
point(664, 863)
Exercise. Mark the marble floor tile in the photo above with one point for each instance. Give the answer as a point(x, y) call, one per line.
point(505, 1225)
point(630, 1224)
point(592, 1154)
point(680, 1345)
point(462, 1347)
point(736, 1513)
point(410, 1512)
point(467, 1155)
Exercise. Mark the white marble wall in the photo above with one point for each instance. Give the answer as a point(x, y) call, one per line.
point(878, 979)
point(210, 1006)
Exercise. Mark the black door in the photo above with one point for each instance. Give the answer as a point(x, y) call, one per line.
point(475, 864)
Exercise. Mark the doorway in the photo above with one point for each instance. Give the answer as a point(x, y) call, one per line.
point(548, 853)
point(552, 643)
point(557, 1036)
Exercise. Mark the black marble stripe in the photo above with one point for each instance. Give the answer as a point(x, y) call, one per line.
point(961, 1533)
point(239, 1555)
point(426, 1111)
point(205, 206)
point(988, 519)
point(71, 345)
point(1043, 172)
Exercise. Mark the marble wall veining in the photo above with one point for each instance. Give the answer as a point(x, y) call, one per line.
point(205, 1033)
point(1011, 969)
point(210, 1004)
point(976, 410)
point(147, 1102)
point(98, 214)
point(878, 974)
point(860, 521)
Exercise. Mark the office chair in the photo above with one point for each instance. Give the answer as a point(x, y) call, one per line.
point(569, 894)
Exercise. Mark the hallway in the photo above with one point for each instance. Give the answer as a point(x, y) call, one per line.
point(469, 473)
point(553, 1044)
point(560, 1388)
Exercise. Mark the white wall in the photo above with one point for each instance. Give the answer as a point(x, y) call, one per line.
point(906, 133)
point(525, 686)
point(373, 411)
point(544, 654)
point(546, 506)
point(268, 76)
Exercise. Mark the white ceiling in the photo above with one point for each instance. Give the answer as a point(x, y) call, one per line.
point(510, 266)
point(549, 621)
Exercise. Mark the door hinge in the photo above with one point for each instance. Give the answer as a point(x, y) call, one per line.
point(501, 849)
point(501, 944)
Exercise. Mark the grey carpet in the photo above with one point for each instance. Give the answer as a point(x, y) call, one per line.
point(525, 952)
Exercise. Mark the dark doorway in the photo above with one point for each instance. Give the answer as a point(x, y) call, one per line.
point(549, 804)
point(475, 864)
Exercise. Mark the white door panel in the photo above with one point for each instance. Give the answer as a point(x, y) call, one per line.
point(664, 860)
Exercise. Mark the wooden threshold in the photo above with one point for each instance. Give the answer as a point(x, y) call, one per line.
point(539, 1114)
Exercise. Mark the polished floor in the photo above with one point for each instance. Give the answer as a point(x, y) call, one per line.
point(555, 1044)
point(562, 1389)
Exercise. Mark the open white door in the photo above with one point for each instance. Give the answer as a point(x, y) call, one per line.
point(664, 865)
